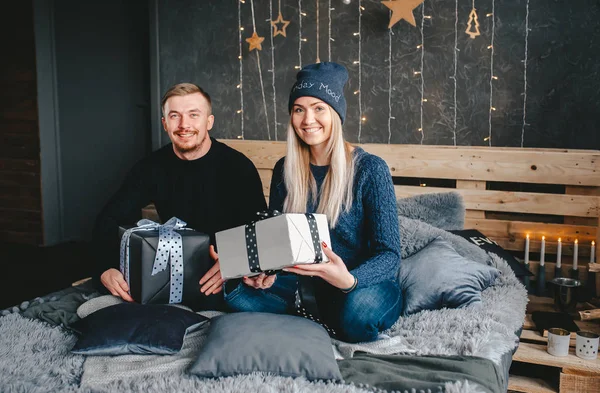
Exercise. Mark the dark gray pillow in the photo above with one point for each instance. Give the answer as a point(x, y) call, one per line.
point(286, 345)
point(438, 277)
point(131, 328)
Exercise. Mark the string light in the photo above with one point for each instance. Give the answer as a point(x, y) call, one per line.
point(239, 111)
point(427, 17)
point(363, 118)
point(359, 67)
point(421, 73)
point(356, 62)
point(356, 92)
point(318, 37)
point(490, 14)
point(390, 82)
point(329, 28)
point(494, 77)
point(417, 72)
point(297, 67)
point(241, 62)
point(304, 39)
point(273, 68)
point(300, 34)
point(355, 34)
point(423, 185)
point(490, 47)
point(424, 100)
point(241, 28)
point(525, 74)
point(491, 74)
point(262, 86)
point(455, 66)
point(303, 13)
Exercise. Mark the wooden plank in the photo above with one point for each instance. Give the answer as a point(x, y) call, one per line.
point(265, 178)
point(519, 383)
point(574, 382)
point(516, 202)
point(581, 168)
point(471, 184)
point(519, 230)
point(537, 354)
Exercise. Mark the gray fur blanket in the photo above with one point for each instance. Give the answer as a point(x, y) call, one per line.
point(35, 355)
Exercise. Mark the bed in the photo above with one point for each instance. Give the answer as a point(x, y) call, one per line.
point(503, 193)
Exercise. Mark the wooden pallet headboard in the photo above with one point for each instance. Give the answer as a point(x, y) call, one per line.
point(508, 192)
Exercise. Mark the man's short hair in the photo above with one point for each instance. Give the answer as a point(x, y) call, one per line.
point(183, 89)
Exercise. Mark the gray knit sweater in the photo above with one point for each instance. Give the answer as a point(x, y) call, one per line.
point(367, 237)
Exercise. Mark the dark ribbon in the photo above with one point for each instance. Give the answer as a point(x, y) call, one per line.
point(252, 245)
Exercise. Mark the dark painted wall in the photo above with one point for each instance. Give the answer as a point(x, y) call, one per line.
point(102, 63)
point(199, 42)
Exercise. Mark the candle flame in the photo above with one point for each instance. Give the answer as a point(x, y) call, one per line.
point(559, 240)
point(543, 237)
point(528, 236)
point(576, 241)
point(593, 242)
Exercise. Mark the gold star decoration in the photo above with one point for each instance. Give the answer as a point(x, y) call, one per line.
point(255, 41)
point(277, 30)
point(402, 9)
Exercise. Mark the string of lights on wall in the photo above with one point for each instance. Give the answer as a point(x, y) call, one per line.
point(241, 61)
point(262, 86)
point(492, 76)
point(456, 50)
point(422, 46)
point(360, 112)
point(272, 70)
point(525, 74)
point(330, 39)
point(300, 39)
point(390, 117)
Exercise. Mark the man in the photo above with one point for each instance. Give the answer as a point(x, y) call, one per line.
point(204, 182)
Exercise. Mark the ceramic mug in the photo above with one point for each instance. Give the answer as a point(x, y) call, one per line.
point(558, 341)
point(586, 345)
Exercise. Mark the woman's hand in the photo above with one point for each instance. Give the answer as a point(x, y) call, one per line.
point(334, 272)
point(262, 281)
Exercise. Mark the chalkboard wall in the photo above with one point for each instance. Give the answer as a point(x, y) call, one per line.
point(528, 80)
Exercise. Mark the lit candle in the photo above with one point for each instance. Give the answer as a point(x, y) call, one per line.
point(543, 251)
point(527, 249)
point(575, 252)
point(558, 253)
point(593, 252)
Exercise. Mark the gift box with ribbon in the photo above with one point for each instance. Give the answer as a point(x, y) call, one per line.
point(164, 263)
point(272, 243)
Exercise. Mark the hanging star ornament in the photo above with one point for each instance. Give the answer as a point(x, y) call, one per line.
point(402, 9)
point(278, 21)
point(255, 41)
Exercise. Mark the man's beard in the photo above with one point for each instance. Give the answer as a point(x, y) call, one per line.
point(190, 148)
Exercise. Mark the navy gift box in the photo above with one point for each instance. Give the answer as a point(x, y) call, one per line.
point(148, 288)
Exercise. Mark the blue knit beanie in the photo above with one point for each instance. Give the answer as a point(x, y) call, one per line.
point(324, 81)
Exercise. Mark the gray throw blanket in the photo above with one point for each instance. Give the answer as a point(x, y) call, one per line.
point(36, 358)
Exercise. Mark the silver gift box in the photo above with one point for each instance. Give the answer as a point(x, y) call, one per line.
point(282, 241)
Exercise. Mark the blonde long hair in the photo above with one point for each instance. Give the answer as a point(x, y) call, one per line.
point(336, 192)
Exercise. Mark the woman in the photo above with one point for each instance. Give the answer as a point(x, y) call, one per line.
point(357, 291)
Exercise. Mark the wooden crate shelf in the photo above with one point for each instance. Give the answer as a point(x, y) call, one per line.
point(568, 374)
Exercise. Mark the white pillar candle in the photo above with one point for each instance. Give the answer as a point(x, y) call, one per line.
point(593, 252)
point(543, 251)
point(575, 252)
point(558, 253)
point(527, 249)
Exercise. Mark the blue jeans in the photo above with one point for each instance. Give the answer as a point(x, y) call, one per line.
point(357, 316)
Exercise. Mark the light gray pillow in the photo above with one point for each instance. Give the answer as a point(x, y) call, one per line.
point(438, 277)
point(247, 342)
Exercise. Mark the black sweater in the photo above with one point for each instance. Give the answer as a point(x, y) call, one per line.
point(218, 191)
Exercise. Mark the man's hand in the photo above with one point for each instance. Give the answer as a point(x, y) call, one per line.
point(212, 283)
point(114, 281)
point(262, 281)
